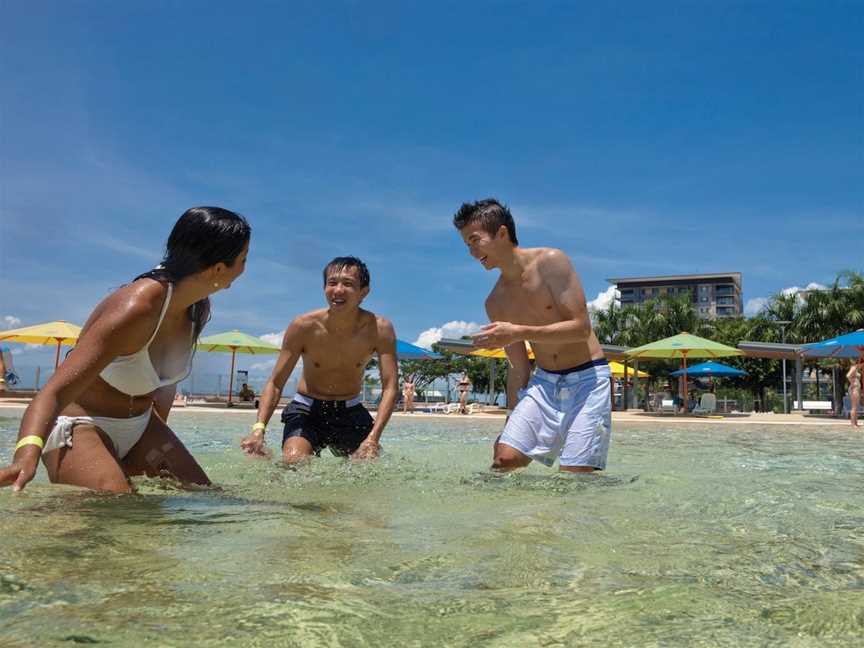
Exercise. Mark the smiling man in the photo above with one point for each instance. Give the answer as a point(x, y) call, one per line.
point(565, 409)
point(335, 343)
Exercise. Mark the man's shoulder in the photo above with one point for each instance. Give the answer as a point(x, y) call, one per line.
point(310, 318)
point(381, 323)
point(548, 254)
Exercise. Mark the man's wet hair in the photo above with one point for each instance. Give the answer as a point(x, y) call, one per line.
point(490, 213)
point(342, 263)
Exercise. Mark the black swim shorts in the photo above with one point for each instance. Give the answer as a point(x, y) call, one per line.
point(339, 425)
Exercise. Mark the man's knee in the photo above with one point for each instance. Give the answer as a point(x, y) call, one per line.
point(507, 458)
point(296, 450)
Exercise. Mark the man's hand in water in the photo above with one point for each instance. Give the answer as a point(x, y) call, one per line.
point(497, 335)
point(255, 445)
point(369, 449)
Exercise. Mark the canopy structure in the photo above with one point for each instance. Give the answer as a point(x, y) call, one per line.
point(850, 345)
point(713, 369)
point(59, 332)
point(235, 342)
point(406, 351)
point(682, 346)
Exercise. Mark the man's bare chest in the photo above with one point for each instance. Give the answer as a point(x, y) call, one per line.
point(530, 302)
point(324, 350)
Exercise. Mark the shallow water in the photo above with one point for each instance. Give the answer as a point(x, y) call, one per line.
point(700, 536)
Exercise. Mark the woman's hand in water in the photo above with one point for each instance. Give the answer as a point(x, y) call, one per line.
point(369, 449)
point(22, 469)
point(255, 445)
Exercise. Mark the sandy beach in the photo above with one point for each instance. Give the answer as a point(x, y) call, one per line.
point(760, 419)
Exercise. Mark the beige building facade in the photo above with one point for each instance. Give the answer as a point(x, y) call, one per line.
point(712, 295)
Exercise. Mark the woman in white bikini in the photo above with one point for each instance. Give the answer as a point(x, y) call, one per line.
point(464, 387)
point(854, 376)
point(101, 418)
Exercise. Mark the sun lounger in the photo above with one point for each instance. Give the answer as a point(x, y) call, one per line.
point(707, 405)
point(668, 405)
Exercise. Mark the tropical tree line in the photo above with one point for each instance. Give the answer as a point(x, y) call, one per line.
point(795, 318)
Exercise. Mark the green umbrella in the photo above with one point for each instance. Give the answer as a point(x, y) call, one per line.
point(683, 346)
point(235, 342)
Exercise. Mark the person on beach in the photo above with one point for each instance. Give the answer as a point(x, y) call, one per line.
point(464, 387)
point(855, 375)
point(102, 417)
point(2, 370)
point(408, 393)
point(564, 409)
point(335, 344)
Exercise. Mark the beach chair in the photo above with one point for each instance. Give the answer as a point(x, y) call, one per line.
point(707, 404)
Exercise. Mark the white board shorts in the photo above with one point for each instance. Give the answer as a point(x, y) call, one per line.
point(566, 415)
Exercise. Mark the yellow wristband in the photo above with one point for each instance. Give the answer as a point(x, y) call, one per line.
point(2, 381)
point(259, 426)
point(30, 440)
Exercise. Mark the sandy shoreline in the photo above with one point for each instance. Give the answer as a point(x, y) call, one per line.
point(617, 417)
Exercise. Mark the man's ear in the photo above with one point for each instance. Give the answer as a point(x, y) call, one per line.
point(503, 233)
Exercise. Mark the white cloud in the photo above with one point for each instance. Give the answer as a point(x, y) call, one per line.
point(753, 306)
point(265, 366)
point(756, 304)
point(273, 338)
point(794, 290)
point(10, 322)
point(604, 299)
point(454, 329)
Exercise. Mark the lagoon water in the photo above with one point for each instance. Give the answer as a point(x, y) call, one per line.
point(710, 535)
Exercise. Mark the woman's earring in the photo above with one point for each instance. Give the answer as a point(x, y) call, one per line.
point(215, 284)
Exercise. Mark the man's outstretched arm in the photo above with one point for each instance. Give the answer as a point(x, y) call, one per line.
point(292, 347)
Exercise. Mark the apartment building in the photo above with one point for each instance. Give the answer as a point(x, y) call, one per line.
point(713, 295)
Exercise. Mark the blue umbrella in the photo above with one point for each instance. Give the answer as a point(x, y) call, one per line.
point(850, 345)
point(406, 351)
point(710, 369)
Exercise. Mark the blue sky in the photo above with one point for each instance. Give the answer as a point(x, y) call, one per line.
point(641, 138)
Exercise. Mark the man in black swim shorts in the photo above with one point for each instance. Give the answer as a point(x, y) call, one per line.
point(335, 344)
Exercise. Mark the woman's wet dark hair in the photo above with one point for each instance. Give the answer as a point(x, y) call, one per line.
point(201, 238)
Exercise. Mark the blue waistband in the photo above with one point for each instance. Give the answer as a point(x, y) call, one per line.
point(582, 367)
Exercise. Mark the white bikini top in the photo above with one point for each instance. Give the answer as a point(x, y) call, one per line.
point(134, 374)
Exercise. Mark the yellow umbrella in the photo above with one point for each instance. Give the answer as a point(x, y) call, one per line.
point(617, 370)
point(235, 342)
point(499, 354)
point(59, 333)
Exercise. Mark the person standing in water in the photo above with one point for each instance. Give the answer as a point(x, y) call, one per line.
point(464, 387)
point(408, 393)
point(564, 409)
point(855, 375)
point(113, 392)
point(335, 344)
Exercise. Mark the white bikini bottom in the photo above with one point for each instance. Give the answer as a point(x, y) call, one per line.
point(123, 432)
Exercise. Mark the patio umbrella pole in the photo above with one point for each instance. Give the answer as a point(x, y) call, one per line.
point(684, 360)
point(57, 355)
point(231, 377)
